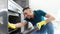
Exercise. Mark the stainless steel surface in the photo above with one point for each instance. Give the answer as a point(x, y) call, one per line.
point(3, 22)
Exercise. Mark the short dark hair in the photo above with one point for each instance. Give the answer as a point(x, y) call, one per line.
point(25, 8)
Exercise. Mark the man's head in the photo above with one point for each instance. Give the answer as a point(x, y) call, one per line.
point(27, 12)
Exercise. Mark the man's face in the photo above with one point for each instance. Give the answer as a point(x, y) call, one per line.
point(27, 13)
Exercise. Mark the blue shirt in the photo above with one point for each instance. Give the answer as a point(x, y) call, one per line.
point(38, 17)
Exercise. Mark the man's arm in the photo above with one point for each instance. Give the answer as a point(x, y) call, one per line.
point(22, 23)
point(49, 18)
point(18, 25)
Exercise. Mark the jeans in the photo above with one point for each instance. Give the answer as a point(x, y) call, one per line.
point(48, 28)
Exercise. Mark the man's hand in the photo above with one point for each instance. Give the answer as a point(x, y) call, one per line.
point(10, 25)
point(39, 24)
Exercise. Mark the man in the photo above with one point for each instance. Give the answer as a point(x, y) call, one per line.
point(37, 19)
